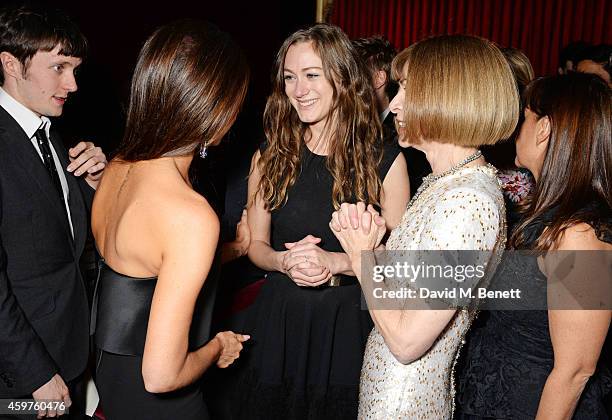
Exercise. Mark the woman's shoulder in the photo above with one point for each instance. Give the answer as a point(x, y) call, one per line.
point(172, 208)
point(475, 183)
point(584, 236)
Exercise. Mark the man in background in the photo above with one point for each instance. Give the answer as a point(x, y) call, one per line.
point(378, 53)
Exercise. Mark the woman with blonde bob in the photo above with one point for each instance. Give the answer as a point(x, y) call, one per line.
point(324, 146)
point(456, 94)
point(156, 235)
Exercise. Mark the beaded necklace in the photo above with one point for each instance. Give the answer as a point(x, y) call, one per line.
point(431, 178)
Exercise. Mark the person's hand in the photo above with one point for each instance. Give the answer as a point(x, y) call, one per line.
point(309, 275)
point(87, 158)
point(357, 228)
point(243, 233)
point(55, 390)
point(231, 345)
point(306, 263)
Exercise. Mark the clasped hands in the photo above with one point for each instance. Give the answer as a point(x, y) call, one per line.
point(357, 228)
point(306, 263)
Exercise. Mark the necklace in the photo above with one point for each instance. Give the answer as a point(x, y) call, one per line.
point(431, 178)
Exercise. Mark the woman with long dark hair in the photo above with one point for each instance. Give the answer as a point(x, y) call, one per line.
point(324, 146)
point(156, 235)
point(544, 363)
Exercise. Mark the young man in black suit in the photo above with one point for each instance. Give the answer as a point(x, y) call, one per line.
point(378, 53)
point(45, 194)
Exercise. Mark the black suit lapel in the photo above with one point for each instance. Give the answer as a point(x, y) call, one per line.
point(31, 163)
point(75, 198)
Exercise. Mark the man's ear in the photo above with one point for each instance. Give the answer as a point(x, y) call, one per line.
point(380, 79)
point(543, 131)
point(11, 66)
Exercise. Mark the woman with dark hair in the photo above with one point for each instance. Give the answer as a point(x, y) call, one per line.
point(456, 94)
point(324, 146)
point(543, 363)
point(156, 235)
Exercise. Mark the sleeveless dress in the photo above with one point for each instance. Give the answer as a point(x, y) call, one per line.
point(461, 211)
point(120, 316)
point(304, 356)
point(509, 353)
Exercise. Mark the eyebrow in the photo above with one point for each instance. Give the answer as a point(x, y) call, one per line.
point(64, 62)
point(305, 69)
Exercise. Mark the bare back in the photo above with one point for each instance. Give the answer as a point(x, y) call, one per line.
point(133, 212)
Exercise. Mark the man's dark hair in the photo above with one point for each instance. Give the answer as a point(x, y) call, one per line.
point(24, 31)
point(573, 52)
point(600, 54)
point(378, 53)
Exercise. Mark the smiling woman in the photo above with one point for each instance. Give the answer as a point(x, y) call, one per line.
point(309, 92)
point(324, 146)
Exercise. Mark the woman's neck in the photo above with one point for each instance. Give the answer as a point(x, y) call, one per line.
point(317, 138)
point(180, 164)
point(444, 156)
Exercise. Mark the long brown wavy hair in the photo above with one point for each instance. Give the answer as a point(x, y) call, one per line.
point(187, 89)
point(355, 148)
point(577, 168)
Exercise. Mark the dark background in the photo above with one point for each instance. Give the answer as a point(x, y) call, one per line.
point(116, 30)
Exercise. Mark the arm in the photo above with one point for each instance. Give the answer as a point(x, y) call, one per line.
point(265, 257)
point(410, 333)
point(260, 252)
point(394, 199)
point(240, 246)
point(25, 362)
point(188, 238)
point(25, 365)
point(396, 192)
point(577, 336)
point(407, 333)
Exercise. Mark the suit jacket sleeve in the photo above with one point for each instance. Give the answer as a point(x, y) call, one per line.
point(25, 364)
point(87, 192)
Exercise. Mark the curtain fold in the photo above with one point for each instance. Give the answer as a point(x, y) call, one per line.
point(538, 27)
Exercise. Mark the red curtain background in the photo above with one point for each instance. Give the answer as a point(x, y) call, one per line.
point(538, 27)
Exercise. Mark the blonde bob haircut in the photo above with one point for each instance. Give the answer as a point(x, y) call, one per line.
point(459, 89)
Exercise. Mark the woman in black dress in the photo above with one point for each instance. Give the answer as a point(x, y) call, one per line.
point(156, 235)
point(522, 364)
point(324, 146)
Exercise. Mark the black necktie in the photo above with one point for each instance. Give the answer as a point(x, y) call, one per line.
point(45, 150)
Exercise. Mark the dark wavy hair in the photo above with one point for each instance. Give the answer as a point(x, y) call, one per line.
point(24, 31)
point(187, 89)
point(577, 168)
point(355, 149)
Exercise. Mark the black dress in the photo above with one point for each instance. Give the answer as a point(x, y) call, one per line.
point(119, 319)
point(304, 357)
point(509, 354)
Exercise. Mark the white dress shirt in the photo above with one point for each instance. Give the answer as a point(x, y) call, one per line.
point(30, 122)
point(384, 114)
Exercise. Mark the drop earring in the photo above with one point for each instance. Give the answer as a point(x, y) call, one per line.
point(203, 151)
